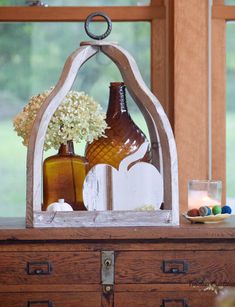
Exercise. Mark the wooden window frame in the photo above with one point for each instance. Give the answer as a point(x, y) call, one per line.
point(179, 72)
point(157, 13)
point(191, 94)
point(160, 16)
point(221, 14)
point(219, 95)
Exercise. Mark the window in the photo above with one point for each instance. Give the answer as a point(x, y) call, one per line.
point(33, 50)
point(224, 59)
point(230, 111)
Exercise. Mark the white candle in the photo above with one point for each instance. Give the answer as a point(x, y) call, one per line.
point(196, 199)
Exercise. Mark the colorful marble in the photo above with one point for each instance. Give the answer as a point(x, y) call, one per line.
point(216, 210)
point(193, 212)
point(204, 211)
point(226, 209)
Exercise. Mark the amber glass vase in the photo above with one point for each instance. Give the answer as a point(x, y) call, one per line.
point(63, 177)
point(123, 136)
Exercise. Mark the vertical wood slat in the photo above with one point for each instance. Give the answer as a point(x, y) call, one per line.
point(158, 60)
point(191, 86)
point(170, 59)
point(158, 64)
point(109, 182)
point(162, 59)
point(219, 101)
point(158, 78)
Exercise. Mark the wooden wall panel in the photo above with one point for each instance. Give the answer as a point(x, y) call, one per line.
point(191, 91)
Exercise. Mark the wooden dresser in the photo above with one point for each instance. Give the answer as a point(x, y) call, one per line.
point(133, 267)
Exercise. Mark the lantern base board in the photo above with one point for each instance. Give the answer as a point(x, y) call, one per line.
point(104, 218)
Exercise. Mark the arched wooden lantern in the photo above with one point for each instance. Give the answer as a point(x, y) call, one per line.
point(162, 144)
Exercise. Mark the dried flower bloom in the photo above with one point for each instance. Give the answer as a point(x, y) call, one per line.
point(146, 208)
point(79, 118)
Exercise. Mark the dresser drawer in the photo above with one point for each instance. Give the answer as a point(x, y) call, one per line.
point(164, 299)
point(50, 268)
point(186, 267)
point(85, 299)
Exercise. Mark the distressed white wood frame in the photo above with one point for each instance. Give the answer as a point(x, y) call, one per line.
point(161, 136)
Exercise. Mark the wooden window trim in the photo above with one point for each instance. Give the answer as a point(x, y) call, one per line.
point(159, 14)
point(175, 35)
point(155, 14)
point(224, 12)
point(221, 14)
point(219, 96)
point(68, 13)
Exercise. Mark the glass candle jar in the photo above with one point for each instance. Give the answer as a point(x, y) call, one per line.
point(204, 193)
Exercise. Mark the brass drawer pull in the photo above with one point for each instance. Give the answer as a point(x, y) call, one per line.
point(39, 304)
point(39, 268)
point(175, 266)
point(171, 302)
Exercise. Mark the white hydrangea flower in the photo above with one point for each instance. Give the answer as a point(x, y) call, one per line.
point(78, 118)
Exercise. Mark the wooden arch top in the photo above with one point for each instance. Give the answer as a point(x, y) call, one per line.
point(161, 135)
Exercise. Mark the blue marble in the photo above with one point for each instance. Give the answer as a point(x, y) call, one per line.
point(226, 209)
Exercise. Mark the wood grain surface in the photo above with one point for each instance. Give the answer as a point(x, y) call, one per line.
point(219, 101)
point(121, 299)
point(68, 13)
point(74, 254)
point(102, 218)
point(220, 233)
point(68, 299)
point(202, 267)
point(124, 245)
point(158, 60)
point(40, 288)
point(223, 12)
point(142, 299)
point(66, 268)
point(191, 92)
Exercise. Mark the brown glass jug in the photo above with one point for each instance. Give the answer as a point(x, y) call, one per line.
point(123, 137)
point(63, 177)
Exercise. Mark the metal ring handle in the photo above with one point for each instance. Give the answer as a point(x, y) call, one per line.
point(89, 19)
